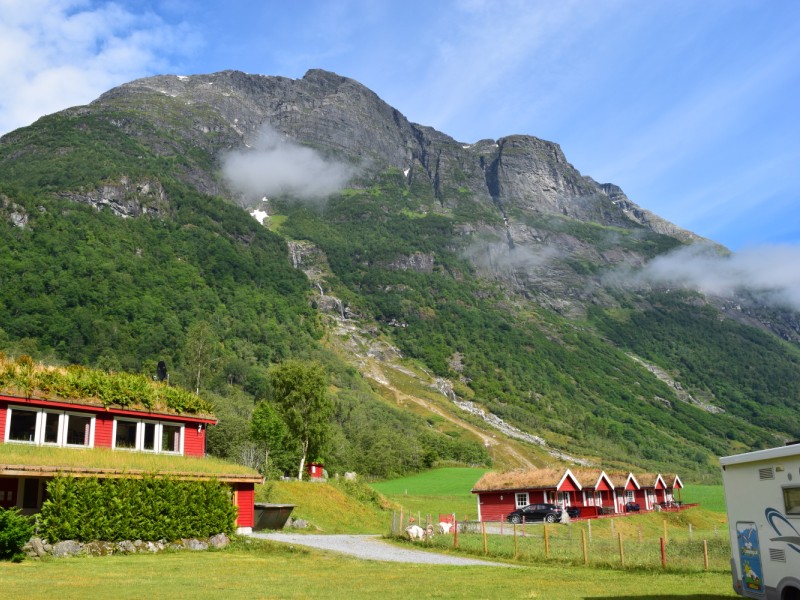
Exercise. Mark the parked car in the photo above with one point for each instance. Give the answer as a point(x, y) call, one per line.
point(632, 507)
point(550, 513)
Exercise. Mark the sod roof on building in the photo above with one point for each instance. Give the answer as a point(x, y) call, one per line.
point(22, 460)
point(24, 378)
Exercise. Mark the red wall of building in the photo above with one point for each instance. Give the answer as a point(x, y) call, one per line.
point(245, 498)
point(194, 441)
point(493, 508)
point(3, 415)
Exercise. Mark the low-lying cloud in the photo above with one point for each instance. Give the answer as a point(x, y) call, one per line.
point(278, 166)
point(771, 273)
point(499, 257)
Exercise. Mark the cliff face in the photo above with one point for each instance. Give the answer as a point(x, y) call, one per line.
point(340, 117)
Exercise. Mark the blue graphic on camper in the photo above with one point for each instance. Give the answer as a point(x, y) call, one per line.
point(750, 557)
point(785, 530)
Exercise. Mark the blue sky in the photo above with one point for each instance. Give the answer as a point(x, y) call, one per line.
point(691, 106)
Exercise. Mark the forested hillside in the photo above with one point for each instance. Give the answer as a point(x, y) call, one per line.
point(478, 268)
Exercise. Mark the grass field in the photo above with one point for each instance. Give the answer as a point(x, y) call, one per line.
point(438, 491)
point(261, 570)
point(710, 497)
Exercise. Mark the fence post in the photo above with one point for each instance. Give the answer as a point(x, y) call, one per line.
point(583, 543)
point(589, 525)
point(666, 539)
point(705, 554)
point(516, 553)
point(455, 535)
point(402, 523)
point(663, 553)
point(613, 533)
point(621, 551)
point(690, 533)
point(546, 543)
point(485, 545)
point(640, 533)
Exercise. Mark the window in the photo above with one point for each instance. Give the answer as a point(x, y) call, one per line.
point(522, 499)
point(44, 427)
point(170, 438)
point(30, 493)
point(22, 426)
point(51, 427)
point(148, 436)
point(77, 430)
point(791, 500)
point(563, 499)
point(629, 496)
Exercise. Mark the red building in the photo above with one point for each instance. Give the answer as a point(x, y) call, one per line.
point(593, 491)
point(63, 426)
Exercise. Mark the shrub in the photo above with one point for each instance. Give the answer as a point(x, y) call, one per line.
point(151, 508)
point(15, 531)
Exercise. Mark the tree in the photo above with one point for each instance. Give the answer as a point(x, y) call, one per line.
point(300, 390)
point(202, 351)
point(268, 431)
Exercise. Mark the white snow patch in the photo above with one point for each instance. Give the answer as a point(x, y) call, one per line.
point(183, 77)
point(467, 146)
point(406, 172)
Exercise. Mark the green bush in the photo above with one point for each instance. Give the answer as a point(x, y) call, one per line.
point(15, 531)
point(151, 508)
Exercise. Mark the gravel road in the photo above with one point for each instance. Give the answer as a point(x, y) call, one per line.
point(372, 547)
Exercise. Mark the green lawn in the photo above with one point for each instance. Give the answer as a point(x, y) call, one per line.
point(267, 571)
point(710, 497)
point(435, 492)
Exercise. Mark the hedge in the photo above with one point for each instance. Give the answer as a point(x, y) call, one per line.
point(151, 508)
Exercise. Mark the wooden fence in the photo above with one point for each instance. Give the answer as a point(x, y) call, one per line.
point(593, 543)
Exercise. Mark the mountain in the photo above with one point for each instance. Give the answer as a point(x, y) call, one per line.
point(471, 301)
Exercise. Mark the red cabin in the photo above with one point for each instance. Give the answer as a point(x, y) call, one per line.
point(593, 491)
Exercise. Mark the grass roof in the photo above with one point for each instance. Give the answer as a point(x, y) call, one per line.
point(26, 379)
point(524, 479)
point(106, 462)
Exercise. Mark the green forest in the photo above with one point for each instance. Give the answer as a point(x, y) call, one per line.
point(194, 281)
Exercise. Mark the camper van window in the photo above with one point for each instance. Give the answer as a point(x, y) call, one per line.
point(791, 500)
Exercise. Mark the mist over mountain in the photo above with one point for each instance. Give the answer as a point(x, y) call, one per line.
point(489, 279)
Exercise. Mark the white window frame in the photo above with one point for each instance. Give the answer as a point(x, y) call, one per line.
point(563, 499)
point(630, 496)
point(521, 499)
point(157, 435)
point(63, 423)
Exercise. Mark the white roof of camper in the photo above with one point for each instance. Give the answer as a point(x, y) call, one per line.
point(759, 455)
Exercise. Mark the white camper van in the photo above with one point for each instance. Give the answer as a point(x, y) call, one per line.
point(762, 492)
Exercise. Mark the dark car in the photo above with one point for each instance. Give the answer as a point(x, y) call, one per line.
point(632, 507)
point(550, 513)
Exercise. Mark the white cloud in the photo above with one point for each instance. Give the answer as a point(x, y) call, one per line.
point(60, 53)
point(277, 166)
point(772, 273)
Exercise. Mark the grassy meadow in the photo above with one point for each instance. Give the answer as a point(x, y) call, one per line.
point(438, 491)
point(263, 570)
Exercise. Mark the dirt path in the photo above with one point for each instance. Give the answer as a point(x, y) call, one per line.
point(371, 547)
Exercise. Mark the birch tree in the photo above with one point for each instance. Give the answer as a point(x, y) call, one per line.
point(300, 390)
